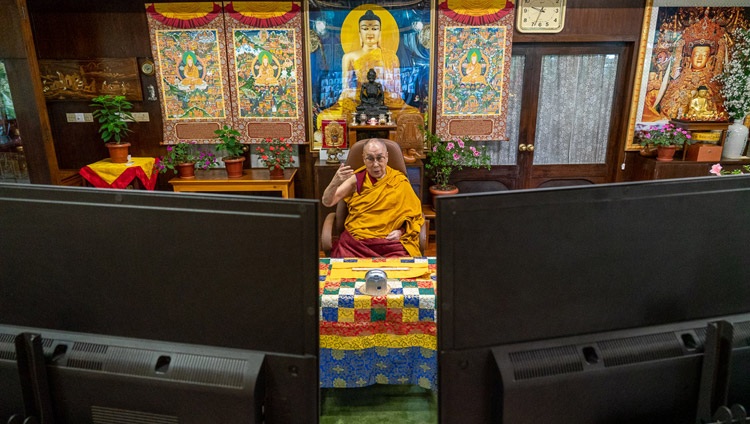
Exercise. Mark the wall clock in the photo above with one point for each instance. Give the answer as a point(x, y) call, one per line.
point(147, 67)
point(540, 15)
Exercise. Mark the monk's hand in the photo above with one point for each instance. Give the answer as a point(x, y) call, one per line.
point(394, 235)
point(343, 173)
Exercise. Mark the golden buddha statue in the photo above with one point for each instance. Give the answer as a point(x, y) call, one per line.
point(701, 106)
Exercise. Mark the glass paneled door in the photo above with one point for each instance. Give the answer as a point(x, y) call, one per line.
point(566, 109)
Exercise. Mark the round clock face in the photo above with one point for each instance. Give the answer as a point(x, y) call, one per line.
point(540, 15)
point(147, 67)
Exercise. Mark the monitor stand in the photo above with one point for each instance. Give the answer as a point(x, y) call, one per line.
point(32, 370)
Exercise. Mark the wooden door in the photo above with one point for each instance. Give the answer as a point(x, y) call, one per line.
point(572, 110)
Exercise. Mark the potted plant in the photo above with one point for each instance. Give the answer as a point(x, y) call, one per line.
point(184, 157)
point(276, 154)
point(113, 114)
point(736, 91)
point(448, 155)
point(230, 142)
point(665, 138)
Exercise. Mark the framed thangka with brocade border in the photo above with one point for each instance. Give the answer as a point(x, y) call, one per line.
point(683, 46)
point(348, 38)
point(188, 44)
point(474, 49)
point(265, 67)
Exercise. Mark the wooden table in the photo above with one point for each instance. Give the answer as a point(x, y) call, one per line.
point(215, 180)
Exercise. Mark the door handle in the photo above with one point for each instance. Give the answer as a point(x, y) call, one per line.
point(525, 147)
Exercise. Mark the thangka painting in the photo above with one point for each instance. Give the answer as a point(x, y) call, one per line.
point(188, 44)
point(682, 49)
point(265, 67)
point(474, 49)
point(348, 38)
point(85, 79)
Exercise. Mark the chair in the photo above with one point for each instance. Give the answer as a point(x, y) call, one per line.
point(334, 222)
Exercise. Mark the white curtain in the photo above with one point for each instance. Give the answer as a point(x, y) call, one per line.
point(575, 106)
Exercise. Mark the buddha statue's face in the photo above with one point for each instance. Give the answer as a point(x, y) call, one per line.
point(699, 57)
point(369, 33)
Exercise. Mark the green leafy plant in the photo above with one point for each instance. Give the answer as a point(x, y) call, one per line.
point(113, 113)
point(449, 155)
point(276, 153)
point(736, 76)
point(230, 142)
point(186, 152)
point(666, 135)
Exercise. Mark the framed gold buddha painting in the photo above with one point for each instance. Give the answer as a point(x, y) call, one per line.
point(682, 50)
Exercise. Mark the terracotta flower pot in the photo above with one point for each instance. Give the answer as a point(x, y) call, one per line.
point(234, 167)
point(186, 170)
point(276, 173)
point(118, 153)
point(665, 153)
point(437, 191)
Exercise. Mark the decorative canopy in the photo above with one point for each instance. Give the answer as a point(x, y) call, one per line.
point(184, 15)
point(476, 12)
point(262, 14)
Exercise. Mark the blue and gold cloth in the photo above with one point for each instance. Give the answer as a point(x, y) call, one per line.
point(388, 339)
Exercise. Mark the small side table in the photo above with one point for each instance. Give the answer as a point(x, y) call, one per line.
point(105, 174)
point(360, 132)
point(215, 180)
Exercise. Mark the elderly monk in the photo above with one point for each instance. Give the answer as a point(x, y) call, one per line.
point(385, 215)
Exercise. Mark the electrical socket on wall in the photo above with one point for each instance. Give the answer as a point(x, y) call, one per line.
point(79, 117)
point(140, 116)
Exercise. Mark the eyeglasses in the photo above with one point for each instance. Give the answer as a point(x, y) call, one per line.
point(378, 159)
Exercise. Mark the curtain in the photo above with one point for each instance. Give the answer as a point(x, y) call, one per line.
point(574, 113)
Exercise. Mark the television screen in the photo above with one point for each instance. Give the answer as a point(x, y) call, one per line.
point(216, 271)
point(535, 266)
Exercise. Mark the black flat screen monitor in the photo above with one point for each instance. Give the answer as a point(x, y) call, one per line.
point(529, 270)
point(218, 271)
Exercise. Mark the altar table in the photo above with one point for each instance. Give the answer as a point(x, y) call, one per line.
point(390, 339)
point(106, 174)
point(215, 180)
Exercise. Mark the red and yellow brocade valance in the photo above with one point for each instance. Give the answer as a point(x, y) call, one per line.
point(262, 14)
point(476, 12)
point(184, 15)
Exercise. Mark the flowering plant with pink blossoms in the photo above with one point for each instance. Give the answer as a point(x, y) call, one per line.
point(186, 152)
point(448, 155)
point(666, 135)
point(716, 169)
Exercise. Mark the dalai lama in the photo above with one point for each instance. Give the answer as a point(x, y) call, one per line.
point(385, 215)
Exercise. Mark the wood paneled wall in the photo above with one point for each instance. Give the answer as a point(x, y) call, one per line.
point(78, 29)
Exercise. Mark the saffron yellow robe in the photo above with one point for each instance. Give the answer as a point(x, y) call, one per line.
point(387, 205)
